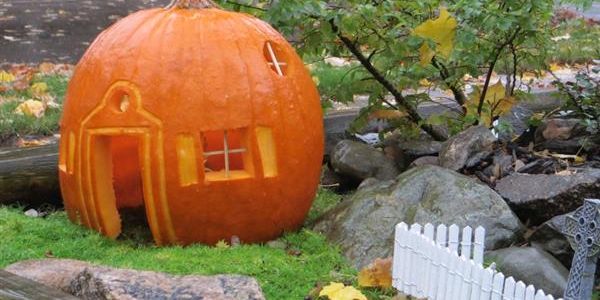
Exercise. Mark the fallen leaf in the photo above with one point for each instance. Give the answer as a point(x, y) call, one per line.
point(519, 164)
point(31, 108)
point(6, 77)
point(39, 89)
point(338, 291)
point(378, 274)
point(222, 244)
point(46, 68)
point(442, 31)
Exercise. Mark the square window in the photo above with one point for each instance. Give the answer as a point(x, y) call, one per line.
point(226, 155)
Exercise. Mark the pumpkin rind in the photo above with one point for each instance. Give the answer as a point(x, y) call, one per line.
point(194, 71)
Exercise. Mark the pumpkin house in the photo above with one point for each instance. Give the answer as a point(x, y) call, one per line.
point(207, 119)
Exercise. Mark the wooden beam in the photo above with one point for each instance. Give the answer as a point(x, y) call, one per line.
point(29, 176)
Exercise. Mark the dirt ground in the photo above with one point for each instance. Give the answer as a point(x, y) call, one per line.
point(32, 31)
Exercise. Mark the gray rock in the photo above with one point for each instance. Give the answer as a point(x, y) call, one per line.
point(549, 237)
point(540, 197)
point(568, 136)
point(425, 160)
point(361, 161)
point(363, 224)
point(95, 282)
point(532, 266)
point(406, 150)
point(518, 119)
point(467, 146)
point(502, 164)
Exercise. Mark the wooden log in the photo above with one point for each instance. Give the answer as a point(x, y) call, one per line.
point(13, 287)
point(29, 176)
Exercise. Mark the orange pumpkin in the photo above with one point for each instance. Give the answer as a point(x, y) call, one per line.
point(206, 118)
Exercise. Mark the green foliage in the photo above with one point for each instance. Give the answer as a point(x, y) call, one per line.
point(488, 31)
point(576, 41)
point(583, 97)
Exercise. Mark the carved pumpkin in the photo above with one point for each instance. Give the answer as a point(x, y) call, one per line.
point(206, 118)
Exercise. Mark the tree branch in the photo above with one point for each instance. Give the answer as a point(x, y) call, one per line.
point(459, 95)
point(413, 115)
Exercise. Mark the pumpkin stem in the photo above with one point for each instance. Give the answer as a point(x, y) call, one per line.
point(188, 4)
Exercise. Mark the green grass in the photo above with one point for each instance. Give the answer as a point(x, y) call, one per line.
point(281, 275)
point(12, 124)
point(581, 47)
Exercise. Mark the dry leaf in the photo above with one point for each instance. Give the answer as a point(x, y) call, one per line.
point(386, 114)
point(46, 68)
point(31, 108)
point(378, 274)
point(6, 77)
point(442, 31)
point(337, 291)
point(39, 89)
point(519, 164)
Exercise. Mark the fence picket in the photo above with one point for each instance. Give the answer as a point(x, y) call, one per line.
point(407, 263)
point(486, 284)
point(429, 231)
point(441, 235)
point(520, 291)
point(497, 286)
point(422, 267)
point(466, 242)
point(415, 229)
point(468, 269)
point(478, 273)
point(530, 293)
point(540, 295)
point(443, 274)
point(509, 289)
point(432, 276)
point(398, 261)
point(453, 233)
point(479, 245)
point(458, 278)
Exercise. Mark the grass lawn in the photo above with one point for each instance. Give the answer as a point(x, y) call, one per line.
point(290, 271)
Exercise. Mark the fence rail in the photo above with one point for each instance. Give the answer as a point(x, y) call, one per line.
point(449, 268)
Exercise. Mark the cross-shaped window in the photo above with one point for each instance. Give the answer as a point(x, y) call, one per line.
point(273, 59)
point(225, 155)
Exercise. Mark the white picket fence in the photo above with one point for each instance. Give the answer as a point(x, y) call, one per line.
point(437, 264)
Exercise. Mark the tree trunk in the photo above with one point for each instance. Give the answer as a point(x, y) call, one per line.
point(29, 176)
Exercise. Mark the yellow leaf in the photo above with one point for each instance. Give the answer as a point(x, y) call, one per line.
point(337, 291)
point(378, 274)
point(31, 108)
point(222, 244)
point(424, 82)
point(386, 114)
point(442, 31)
point(6, 77)
point(496, 102)
point(39, 89)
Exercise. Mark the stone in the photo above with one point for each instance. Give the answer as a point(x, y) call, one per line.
point(88, 281)
point(539, 197)
point(532, 266)
point(425, 161)
point(502, 164)
point(518, 119)
point(567, 136)
point(466, 147)
point(406, 150)
point(549, 238)
point(361, 161)
point(363, 224)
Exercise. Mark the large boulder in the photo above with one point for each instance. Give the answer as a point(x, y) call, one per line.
point(540, 197)
point(549, 238)
point(95, 282)
point(532, 266)
point(467, 148)
point(363, 225)
point(361, 161)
